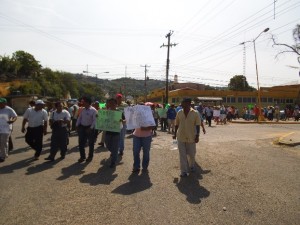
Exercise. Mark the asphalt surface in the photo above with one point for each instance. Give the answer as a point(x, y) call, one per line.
point(242, 177)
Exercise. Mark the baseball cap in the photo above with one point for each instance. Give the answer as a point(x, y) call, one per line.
point(119, 96)
point(39, 102)
point(3, 100)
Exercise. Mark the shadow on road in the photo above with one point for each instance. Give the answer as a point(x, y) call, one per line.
point(191, 187)
point(73, 170)
point(105, 175)
point(16, 166)
point(137, 183)
point(41, 167)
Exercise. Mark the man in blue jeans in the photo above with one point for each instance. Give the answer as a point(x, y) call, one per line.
point(142, 138)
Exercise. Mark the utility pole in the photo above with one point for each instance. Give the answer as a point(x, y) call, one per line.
point(145, 99)
point(168, 64)
point(125, 83)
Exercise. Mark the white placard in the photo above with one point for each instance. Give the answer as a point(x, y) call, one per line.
point(216, 113)
point(4, 126)
point(138, 116)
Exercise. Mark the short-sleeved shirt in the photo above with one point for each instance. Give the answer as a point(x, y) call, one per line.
point(186, 125)
point(171, 114)
point(35, 118)
point(5, 114)
point(63, 115)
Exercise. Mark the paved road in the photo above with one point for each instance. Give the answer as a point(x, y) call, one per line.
point(242, 177)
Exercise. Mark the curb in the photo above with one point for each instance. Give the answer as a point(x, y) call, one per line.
point(264, 122)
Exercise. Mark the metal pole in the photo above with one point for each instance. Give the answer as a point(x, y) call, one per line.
point(167, 70)
point(260, 117)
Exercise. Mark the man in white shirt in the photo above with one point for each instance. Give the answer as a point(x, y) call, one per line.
point(59, 123)
point(7, 117)
point(37, 119)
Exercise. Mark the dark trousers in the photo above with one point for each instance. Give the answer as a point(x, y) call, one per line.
point(164, 123)
point(59, 140)
point(34, 138)
point(86, 134)
point(208, 118)
point(74, 121)
point(112, 144)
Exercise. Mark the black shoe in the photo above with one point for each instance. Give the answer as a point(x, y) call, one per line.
point(145, 170)
point(135, 170)
point(62, 157)
point(89, 159)
point(49, 159)
point(81, 160)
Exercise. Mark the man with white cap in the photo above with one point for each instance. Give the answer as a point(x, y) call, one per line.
point(7, 117)
point(37, 119)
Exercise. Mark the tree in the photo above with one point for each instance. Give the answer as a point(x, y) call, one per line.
point(286, 48)
point(239, 83)
point(27, 65)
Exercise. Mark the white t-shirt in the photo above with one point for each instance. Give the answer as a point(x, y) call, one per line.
point(35, 118)
point(5, 114)
point(63, 115)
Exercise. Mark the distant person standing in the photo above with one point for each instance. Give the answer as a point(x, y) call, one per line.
point(208, 114)
point(171, 115)
point(112, 138)
point(37, 119)
point(7, 117)
point(59, 122)
point(187, 136)
point(120, 107)
point(85, 126)
point(163, 118)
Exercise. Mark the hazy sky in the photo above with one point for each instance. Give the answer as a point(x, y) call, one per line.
point(120, 36)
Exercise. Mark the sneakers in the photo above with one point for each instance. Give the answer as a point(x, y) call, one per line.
point(183, 174)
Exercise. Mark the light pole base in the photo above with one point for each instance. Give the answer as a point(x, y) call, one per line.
point(261, 118)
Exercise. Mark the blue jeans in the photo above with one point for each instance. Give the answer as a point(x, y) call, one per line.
point(122, 137)
point(138, 144)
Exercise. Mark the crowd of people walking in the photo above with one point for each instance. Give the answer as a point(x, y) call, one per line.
point(183, 122)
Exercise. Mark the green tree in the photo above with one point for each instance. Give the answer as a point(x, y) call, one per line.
point(239, 83)
point(26, 65)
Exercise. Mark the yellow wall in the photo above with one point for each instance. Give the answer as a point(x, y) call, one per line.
point(278, 93)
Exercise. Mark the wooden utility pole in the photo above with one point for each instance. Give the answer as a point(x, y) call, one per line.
point(168, 64)
point(146, 78)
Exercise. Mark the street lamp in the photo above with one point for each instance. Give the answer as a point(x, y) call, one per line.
point(260, 117)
